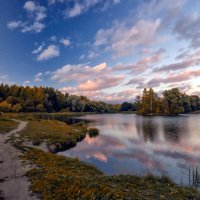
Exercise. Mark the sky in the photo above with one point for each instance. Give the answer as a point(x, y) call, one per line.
point(108, 50)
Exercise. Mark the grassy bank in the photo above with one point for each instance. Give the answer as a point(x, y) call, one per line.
point(56, 135)
point(47, 116)
point(195, 112)
point(7, 125)
point(59, 178)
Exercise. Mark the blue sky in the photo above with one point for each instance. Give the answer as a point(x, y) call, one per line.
point(106, 49)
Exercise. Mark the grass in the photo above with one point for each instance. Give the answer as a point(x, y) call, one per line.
point(57, 177)
point(57, 135)
point(62, 178)
point(7, 125)
point(46, 116)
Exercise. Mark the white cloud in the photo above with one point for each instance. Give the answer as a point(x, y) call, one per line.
point(79, 72)
point(25, 27)
point(4, 79)
point(14, 24)
point(47, 73)
point(113, 97)
point(53, 38)
point(76, 10)
point(80, 7)
point(92, 54)
point(26, 83)
point(34, 23)
point(38, 11)
point(50, 52)
point(30, 6)
point(108, 4)
point(39, 49)
point(40, 16)
point(105, 82)
point(35, 27)
point(52, 2)
point(38, 77)
point(87, 78)
point(65, 41)
point(121, 38)
point(82, 57)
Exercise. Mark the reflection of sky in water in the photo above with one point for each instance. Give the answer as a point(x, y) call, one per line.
point(130, 144)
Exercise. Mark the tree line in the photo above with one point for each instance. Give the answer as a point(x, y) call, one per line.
point(46, 99)
point(16, 98)
point(172, 102)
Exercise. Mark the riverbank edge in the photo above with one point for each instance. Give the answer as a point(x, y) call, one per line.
point(31, 151)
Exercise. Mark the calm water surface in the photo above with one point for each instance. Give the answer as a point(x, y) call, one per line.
point(131, 144)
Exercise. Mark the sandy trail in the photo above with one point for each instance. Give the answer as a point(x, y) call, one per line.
point(14, 185)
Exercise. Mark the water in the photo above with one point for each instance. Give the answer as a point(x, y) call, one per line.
point(131, 144)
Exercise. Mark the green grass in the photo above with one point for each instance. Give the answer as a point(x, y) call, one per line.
point(7, 125)
point(53, 132)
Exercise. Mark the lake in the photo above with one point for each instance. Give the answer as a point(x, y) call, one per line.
point(131, 144)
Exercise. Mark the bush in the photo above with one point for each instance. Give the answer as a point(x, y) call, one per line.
point(93, 132)
point(5, 107)
point(16, 108)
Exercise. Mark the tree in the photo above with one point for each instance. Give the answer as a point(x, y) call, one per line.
point(148, 103)
point(5, 107)
point(16, 108)
point(173, 101)
point(40, 108)
point(126, 106)
point(137, 103)
point(12, 100)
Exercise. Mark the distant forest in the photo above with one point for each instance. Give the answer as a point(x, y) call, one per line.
point(46, 99)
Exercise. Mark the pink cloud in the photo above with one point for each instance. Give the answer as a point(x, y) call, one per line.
point(99, 84)
point(100, 156)
point(122, 37)
point(188, 61)
point(174, 78)
point(142, 64)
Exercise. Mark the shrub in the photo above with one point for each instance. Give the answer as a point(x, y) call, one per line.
point(93, 132)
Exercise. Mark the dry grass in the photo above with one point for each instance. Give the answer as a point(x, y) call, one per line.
point(57, 177)
point(7, 125)
point(61, 178)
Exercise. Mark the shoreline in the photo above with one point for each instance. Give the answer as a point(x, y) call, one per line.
point(51, 169)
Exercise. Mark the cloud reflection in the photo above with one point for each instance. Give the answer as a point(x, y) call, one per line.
point(133, 144)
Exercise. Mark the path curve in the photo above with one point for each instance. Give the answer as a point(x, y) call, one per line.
point(13, 182)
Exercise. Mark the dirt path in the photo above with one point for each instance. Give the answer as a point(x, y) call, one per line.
point(14, 185)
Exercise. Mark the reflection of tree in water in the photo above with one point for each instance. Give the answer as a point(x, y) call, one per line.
point(150, 129)
point(174, 130)
point(147, 128)
point(72, 121)
point(194, 177)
